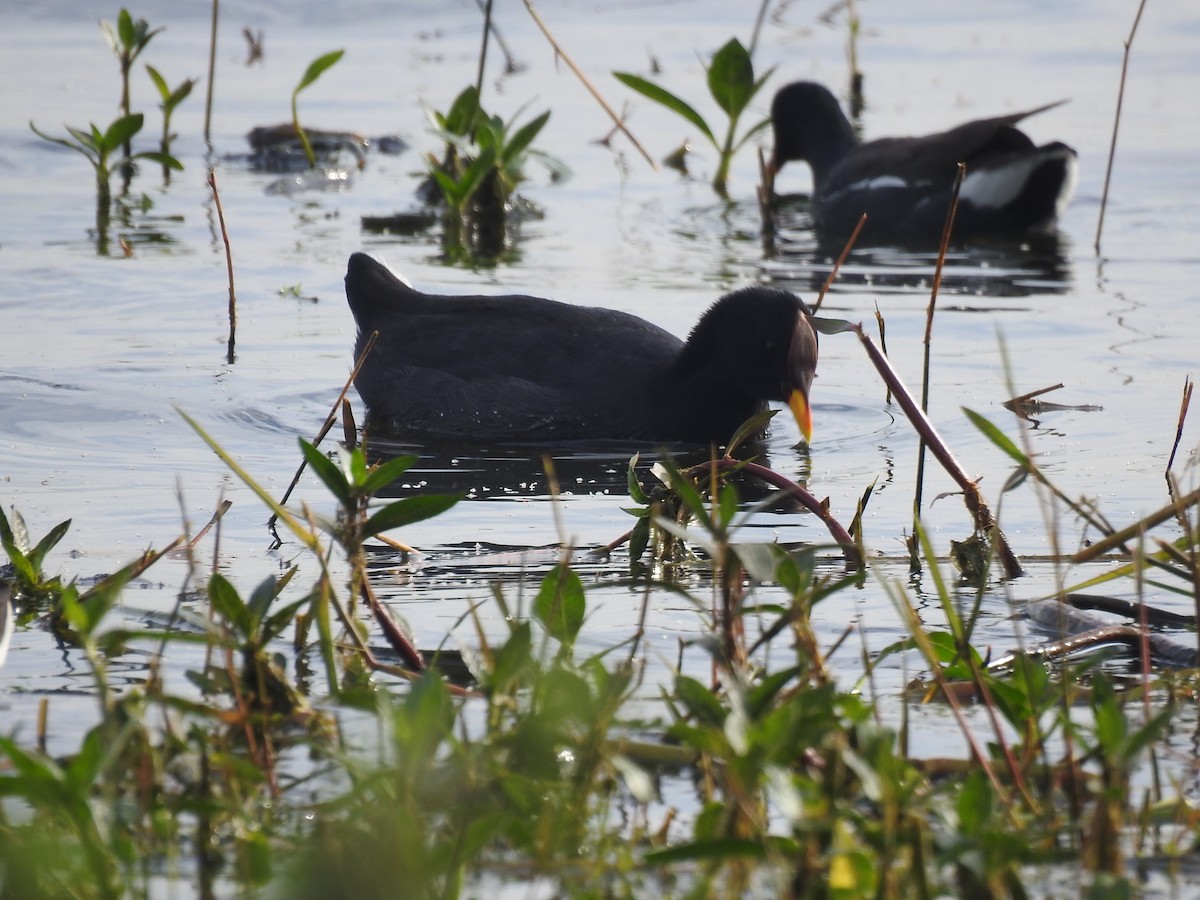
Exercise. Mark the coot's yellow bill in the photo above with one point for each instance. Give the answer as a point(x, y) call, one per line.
point(799, 405)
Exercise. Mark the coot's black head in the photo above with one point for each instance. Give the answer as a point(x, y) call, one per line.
point(809, 126)
point(756, 343)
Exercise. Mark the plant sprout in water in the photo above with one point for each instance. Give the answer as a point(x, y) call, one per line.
point(732, 85)
point(483, 162)
point(127, 41)
point(99, 146)
point(311, 74)
point(170, 100)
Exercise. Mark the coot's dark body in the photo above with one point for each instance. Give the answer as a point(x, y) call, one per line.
point(525, 369)
point(904, 184)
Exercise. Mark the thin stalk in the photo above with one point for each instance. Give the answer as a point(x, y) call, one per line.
point(846, 248)
point(881, 324)
point(1184, 403)
point(1112, 147)
point(1117, 538)
point(947, 228)
point(976, 505)
point(758, 23)
point(510, 62)
point(330, 420)
point(229, 354)
point(483, 49)
point(836, 530)
point(721, 179)
point(617, 121)
point(765, 192)
point(212, 67)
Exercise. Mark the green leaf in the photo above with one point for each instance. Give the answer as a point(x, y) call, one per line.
point(513, 658)
point(261, 598)
point(125, 29)
point(163, 159)
point(103, 596)
point(997, 437)
point(639, 539)
point(825, 325)
point(477, 171)
point(665, 98)
point(354, 465)
point(452, 191)
point(228, 604)
point(750, 428)
point(727, 504)
point(560, 604)
point(6, 530)
point(111, 38)
point(385, 473)
point(120, 131)
point(490, 132)
point(701, 703)
point(724, 848)
point(523, 138)
point(761, 695)
point(164, 91)
point(463, 110)
point(76, 615)
point(690, 496)
point(975, 803)
point(1111, 726)
point(409, 510)
point(274, 624)
point(46, 544)
point(27, 574)
point(316, 67)
point(759, 560)
point(1150, 732)
point(632, 483)
point(330, 475)
point(82, 143)
point(731, 78)
point(179, 94)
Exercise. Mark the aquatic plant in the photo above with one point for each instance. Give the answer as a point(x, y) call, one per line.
point(535, 767)
point(171, 98)
point(314, 71)
point(732, 84)
point(98, 147)
point(127, 41)
point(483, 160)
point(27, 557)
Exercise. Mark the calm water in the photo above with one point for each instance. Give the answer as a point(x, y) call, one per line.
point(96, 352)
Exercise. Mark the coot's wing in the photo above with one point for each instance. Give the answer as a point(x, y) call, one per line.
point(501, 367)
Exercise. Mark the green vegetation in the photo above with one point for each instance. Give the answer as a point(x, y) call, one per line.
point(314, 71)
point(127, 41)
point(171, 98)
point(483, 160)
point(732, 84)
point(98, 147)
point(551, 761)
point(534, 768)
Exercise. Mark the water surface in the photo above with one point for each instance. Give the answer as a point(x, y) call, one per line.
point(99, 351)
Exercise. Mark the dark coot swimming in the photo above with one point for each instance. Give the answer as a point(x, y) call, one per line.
point(1012, 186)
point(523, 369)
